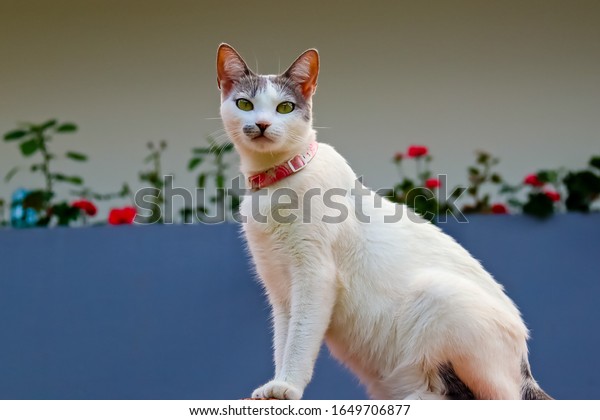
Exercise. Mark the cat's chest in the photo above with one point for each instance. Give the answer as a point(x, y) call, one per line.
point(272, 260)
point(271, 211)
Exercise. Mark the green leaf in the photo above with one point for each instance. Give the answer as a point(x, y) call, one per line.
point(66, 178)
point(66, 128)
point(510, 189)
point(193, 163)
point(125, 190)
point(595, 162)
point(47, 125)
point(202, 150)
point(11, 173)
point(496, 178)
point(235, 203)
point(483, 157)
point(76, 180)
point(29, 147)
point(584, 182)
point(407, 185)
point(152, 177)
point(76, 156)
point(485, 201)
point(547, 176)
point(423, 201)
point(220, 181)
point(65, 213)
point(388, 193)
point(15, 135)
point(539, 205)
point(36, 167)
point(457, 192)
point(515, 203)
point(37, 199)
point(473, 171)
point(201, 180)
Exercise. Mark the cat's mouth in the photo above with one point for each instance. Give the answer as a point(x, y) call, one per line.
point(261, 139)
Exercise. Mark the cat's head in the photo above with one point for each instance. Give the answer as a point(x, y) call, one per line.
point(266, 113)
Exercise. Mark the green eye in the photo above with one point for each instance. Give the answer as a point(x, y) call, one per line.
point(285, 107)
point(244, 104)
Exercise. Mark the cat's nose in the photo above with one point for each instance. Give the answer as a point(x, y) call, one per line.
point(262, 127)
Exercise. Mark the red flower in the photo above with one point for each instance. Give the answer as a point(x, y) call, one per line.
point(552, 195)
point(398, 157)
point(433, 183)
point(85, 206)
point(499, 208)
point(533, 180)
point(122, 216)
point(417, 151)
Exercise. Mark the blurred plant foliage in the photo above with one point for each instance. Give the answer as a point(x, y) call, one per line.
point(155, 177)
point(421, 192)
point(540, 194)
point(551, 190)
point(3, 221)
point(213, 164)
point(35, 140)
point(583, 187)
point(481, 175)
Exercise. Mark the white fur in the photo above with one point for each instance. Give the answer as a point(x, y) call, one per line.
point(393, 301)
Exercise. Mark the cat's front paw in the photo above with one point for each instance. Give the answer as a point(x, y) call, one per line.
point(278, 389)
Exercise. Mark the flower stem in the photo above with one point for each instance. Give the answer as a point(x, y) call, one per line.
point(420, 176)
point(46, 163)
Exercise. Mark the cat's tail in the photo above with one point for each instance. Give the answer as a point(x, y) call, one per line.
point(530, 390)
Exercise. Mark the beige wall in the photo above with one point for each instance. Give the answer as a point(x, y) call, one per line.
point(518, 78)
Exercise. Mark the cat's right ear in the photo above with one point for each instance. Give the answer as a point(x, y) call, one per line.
point(231, 67)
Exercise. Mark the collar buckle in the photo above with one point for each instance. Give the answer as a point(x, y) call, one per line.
point(296, 163)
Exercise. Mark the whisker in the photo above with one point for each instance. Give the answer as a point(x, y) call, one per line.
point(221, 137)
point(219, 132)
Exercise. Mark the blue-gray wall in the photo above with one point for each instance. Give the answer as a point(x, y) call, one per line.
point(172, 312)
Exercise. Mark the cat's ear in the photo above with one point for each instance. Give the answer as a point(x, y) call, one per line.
point(305, 71)
point(231, 67)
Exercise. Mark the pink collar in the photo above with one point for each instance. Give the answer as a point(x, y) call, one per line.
point(277, 173)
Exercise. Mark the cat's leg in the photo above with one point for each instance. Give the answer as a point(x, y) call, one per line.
point(488, 362)
point(281, 320)
point(495, 378)
point(470, 335)
point(406, 382)
point(313, 292)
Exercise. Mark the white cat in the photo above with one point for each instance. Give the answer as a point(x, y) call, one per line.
point(405, 307)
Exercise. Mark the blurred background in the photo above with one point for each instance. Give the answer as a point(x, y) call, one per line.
point(154, 312)
point(516, 78)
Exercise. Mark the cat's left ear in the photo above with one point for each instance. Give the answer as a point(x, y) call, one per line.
point(305, 71)
point(231, 67)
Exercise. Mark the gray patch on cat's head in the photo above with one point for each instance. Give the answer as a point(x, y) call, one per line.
point(291, 88)
point(250, 85)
